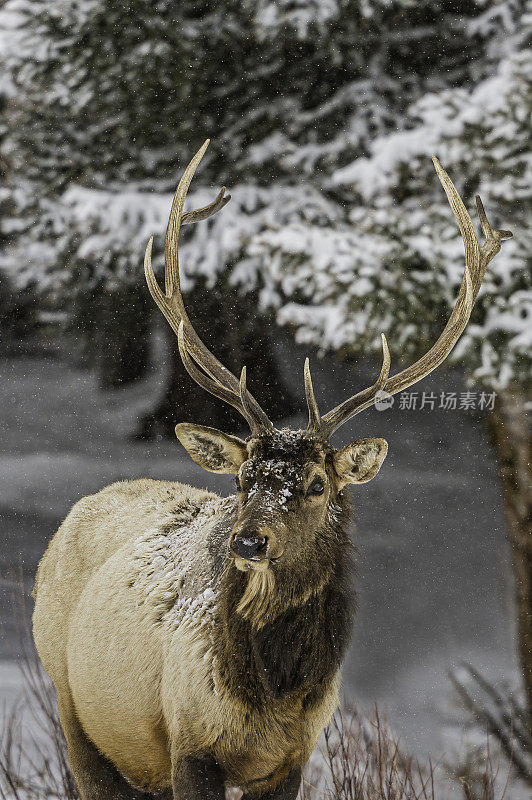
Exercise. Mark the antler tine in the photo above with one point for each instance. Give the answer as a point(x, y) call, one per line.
point(314, 416)
point(476, 261)
point(200, 214)
point(208, 383)
point(171, 241)
point(493, 237)
point(333, 419)
point(216, 378)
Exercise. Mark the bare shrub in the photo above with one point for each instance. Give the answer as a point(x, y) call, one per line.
point(500, 711)
point(33, 754)
point(358, 757)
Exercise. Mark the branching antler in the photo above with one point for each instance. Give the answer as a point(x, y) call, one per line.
point(476, 260)
point(210, 374)
point(198, 360)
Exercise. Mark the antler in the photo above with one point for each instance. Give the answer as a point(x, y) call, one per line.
point(476, 260)
point(215, 378)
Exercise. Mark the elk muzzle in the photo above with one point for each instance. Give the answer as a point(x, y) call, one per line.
point(253, 547)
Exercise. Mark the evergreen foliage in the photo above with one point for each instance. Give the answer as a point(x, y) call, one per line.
point(114, 97)
point(322, 117)
point(396, 262)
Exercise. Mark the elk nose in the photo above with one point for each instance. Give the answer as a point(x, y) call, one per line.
point(250, 547)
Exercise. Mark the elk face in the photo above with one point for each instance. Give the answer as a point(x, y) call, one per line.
point(283, 488)
point(288, 485)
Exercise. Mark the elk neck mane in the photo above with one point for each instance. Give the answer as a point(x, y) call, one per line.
point(285, 631)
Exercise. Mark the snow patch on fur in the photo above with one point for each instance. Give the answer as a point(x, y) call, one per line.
point(174, 575)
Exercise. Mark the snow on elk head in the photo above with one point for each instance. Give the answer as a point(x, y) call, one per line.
point(288, 487)
point(289, 482)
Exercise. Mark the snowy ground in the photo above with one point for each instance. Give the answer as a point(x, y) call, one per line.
point(434, 573)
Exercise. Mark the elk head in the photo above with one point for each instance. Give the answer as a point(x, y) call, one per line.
point(289, 483)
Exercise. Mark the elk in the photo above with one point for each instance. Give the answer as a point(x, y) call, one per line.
point(196, 641)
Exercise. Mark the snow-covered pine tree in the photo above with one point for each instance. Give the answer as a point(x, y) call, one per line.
point(17, 299)
point(113, 97)
point(399, 253)
point(104, 99)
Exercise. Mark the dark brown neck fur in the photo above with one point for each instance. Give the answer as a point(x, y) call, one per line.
point(301, 645)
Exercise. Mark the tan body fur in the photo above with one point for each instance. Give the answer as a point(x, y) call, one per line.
point(114, 630)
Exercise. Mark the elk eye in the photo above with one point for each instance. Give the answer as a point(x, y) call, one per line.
point(316, 488)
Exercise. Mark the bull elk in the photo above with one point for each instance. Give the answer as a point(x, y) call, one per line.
point(196, 641)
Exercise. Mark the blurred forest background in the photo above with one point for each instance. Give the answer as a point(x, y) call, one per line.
point(322, 116)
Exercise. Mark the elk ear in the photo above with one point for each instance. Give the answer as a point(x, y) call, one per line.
point(360, 461)
point(212, 449)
